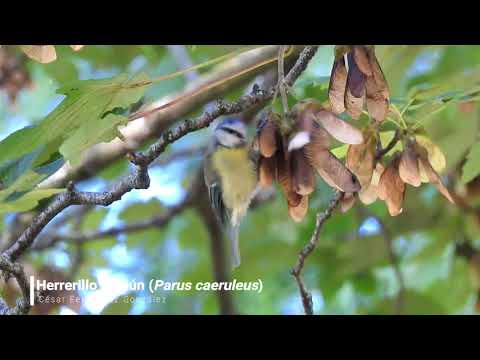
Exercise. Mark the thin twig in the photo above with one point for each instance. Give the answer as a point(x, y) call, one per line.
point(156, 221)
point(382, 152)
point(308, 249)
point(281, 79)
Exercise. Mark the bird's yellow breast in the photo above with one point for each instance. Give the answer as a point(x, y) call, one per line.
point(237, 174)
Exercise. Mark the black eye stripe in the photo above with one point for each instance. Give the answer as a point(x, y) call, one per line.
point(233, 132)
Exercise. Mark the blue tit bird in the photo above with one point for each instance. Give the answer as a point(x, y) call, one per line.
point(230, 171)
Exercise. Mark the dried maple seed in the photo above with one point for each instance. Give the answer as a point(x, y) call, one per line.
point(285, 177)
point(311, 116)
point(369, 195)
point(435, 155)
point(267, 137)
point(356, 78)
point(377, 92)
point(332, 170)
point(347, 202)
point(361, 160)
point(362, 59)
point(41, 53)
point(408, 167)
point(377, 104)
point(302, 173)
point(319, 139)
point(339, 129)
point(303, 114)
point(337, 86)
point(298, 213)
point(427, 171)
point(267, 171)
point(355, 90)
point(391, 188)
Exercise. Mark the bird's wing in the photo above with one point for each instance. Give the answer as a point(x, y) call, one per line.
point(254, 157)
point(215, 194)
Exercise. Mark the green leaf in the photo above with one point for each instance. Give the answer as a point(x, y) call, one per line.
point(27, 181)
point(472, 166)
point(340, 151)
point(308, 88)
point(85, 114)
point(104, 130)
point(28, 201)
point(16, 175)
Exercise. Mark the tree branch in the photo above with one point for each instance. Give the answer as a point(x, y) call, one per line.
point(308, 249)
point(156, 221)
point(10, 268)
point(139, 131)
point(217, 250)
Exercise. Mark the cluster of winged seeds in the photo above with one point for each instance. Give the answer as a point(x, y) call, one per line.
point(419, 162)
point(292, 158)
point(356, 75)
point(294, 149)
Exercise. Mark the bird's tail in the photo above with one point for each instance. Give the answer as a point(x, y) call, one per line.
point(235, 246)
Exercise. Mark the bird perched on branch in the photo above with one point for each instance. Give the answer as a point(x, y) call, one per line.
point(230, 171)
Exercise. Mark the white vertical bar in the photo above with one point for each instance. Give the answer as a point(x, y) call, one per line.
point(32, 290)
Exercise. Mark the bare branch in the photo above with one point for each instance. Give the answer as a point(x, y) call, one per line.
point(10, 268)
point(308, 249)
point(156, 221)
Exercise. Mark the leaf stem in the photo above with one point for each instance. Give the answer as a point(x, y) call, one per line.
point(399, 114)
point(405, 108)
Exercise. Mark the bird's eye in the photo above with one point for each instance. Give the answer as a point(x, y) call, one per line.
point(233, 132)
